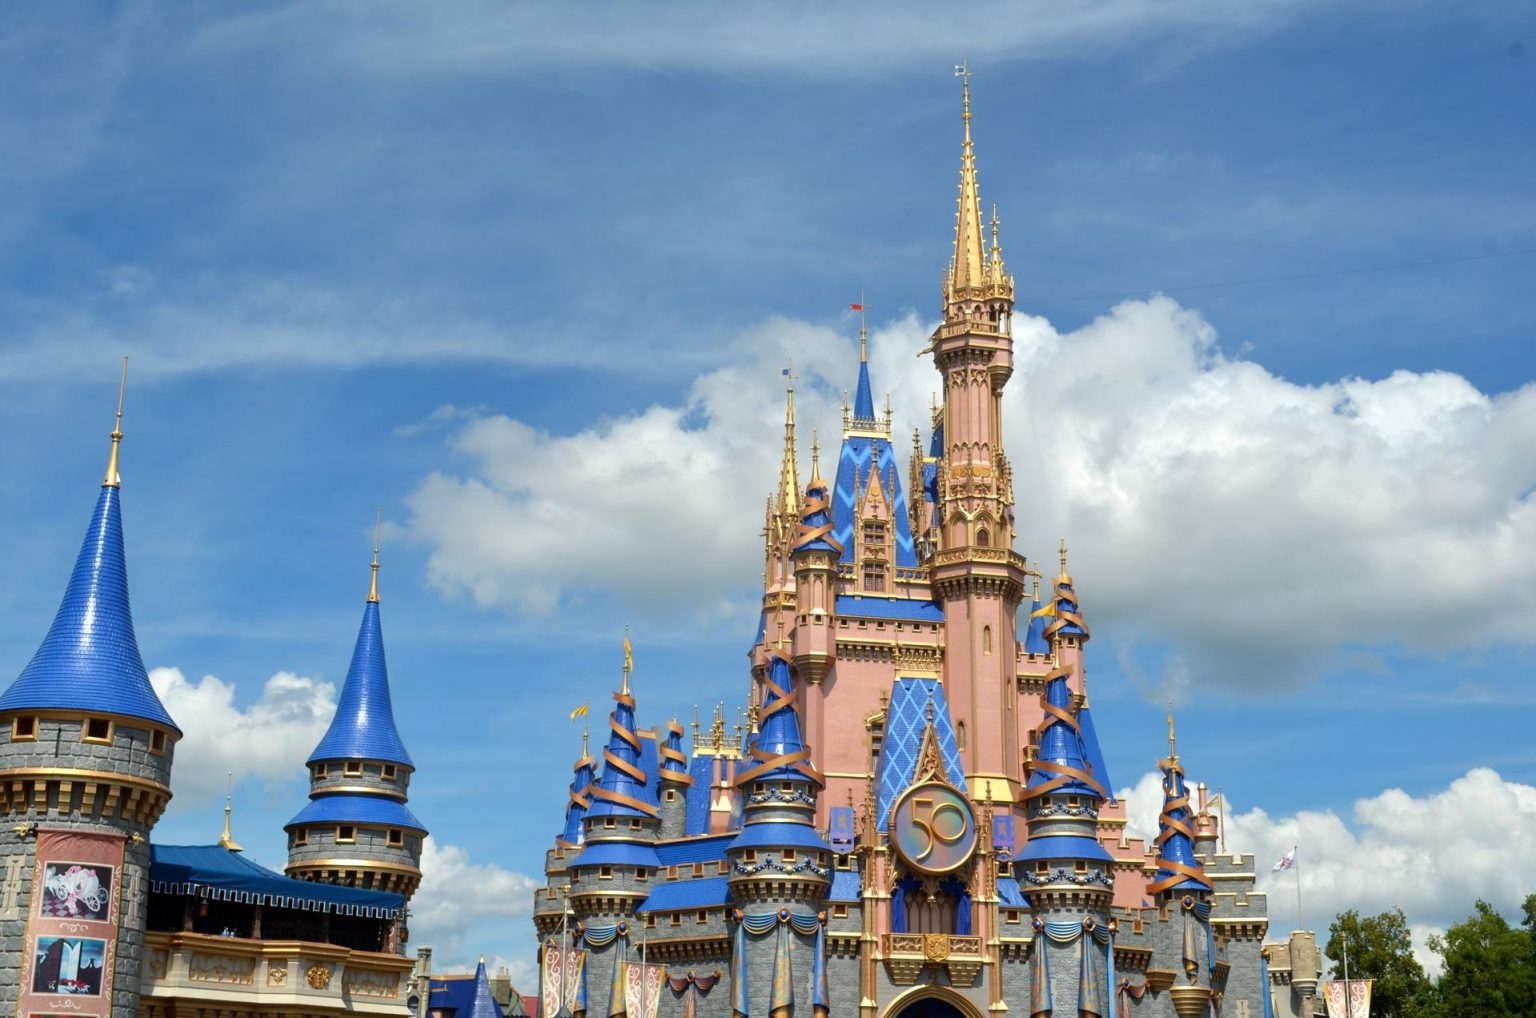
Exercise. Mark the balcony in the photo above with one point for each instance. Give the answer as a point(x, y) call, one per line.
point(239, 973)
point(907, 953)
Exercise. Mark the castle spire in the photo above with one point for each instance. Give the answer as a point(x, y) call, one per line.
point(1178, 868)
point(373, 583)
point(789, 474)
point(112, 478)
point(968, 269)
point(227, 841)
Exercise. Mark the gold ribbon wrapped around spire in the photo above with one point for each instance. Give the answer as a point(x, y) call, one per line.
point(778, 699)
point(1174, 800)
point(1061, 773)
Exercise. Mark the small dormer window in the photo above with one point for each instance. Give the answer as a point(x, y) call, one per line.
point(605, 873)
point(641, 873)
point(97, 730)
point(157, 741)
point(321, 770)
point(346, 834)
point(396, 837)
point(352, 768)
point(788, 855)
point(23, 729)
point(388, 772)
point(301, 837)
point(609, 823)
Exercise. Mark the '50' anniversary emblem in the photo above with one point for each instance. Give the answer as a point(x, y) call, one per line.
point(933, 828)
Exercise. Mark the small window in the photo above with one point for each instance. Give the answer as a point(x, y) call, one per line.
point(986, 639)
point(605, 873)
point(785, 786)
point(983, 539)
point(788, 855)
point(959, 734)
point(703, 916)
point(301, 836)
point(608, 823)
point(650, 921)
point(352, 768)
point(671, 872)
point(750, 855)
point(722, 867)
point(634, 825)
point(1080, 866)
point(321, 770)
point(840, 911)
point(874, 576)
point(1074, 801)
point(157, 741)
point(1042, 867)
point(23, 729)
point(698, 869)
point(677, 919)
point(388, 772)
point(346, 834)
point(1011, 917)
point(396, 837)
point(641, 873)
point(97, 730)
point(671, 795)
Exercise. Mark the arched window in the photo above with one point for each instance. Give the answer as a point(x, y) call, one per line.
point(986, 639)
point(983, 539)
point(959, 734)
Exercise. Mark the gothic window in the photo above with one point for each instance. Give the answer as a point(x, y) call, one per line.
point(986, 639)
point(874, 576)
point(959, 734)
point(874, 535)
point(983, 539)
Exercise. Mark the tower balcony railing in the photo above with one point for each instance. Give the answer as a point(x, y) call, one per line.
point(973, 327)
point(972, 553)
point(240, 973)
point(906, 954)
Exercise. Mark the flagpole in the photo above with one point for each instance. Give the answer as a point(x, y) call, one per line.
point(1299, 924)
point(1349, 1006)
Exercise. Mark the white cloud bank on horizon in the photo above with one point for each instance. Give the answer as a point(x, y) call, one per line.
point(1206, 501)
point(269, 740)
point(463, 907)
point(1432, 856)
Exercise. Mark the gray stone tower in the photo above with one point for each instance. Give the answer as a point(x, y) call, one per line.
point(85, 764)
point(357, 830)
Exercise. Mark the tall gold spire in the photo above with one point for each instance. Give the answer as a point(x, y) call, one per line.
point(629, 660)
point(1173, 745)
point(815, 457)
point(789, 473)
point(969, 265)
point(373, 582)
point(112, 478)
point(1063, 551)
point(228, 841)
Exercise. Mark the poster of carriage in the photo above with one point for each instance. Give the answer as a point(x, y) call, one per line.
point(76, 890)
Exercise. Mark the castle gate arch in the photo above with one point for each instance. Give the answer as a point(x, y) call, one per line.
point(931, 1002)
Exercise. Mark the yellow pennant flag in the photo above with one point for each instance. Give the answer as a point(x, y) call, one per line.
point(629, 657)
point(579, 712)
point(1048, 610)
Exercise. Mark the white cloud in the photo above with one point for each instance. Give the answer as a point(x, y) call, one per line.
point(1252, 528)
point(462, 907)
point(1431, 856)
point(848, 39)
point(269, 740)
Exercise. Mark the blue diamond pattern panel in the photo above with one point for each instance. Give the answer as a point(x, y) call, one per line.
point(905, 721)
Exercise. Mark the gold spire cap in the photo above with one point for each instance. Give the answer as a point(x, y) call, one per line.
point(373, 582)
point(227, 841)
point(1173, 745)
point(1063, 551)
point(113, 479)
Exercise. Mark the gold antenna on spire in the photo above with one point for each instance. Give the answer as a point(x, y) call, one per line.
point(113, 479)
point(1063, 551)
point(584, 725)
point(863, 329)
point(373, 584)
point(815, 456)
point(629, 660)
point(1173, 746)
point(695, 728)
point(227, 841)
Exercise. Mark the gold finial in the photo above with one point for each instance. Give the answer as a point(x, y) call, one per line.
point(629, 660)
point(963, 72)
point(112, 478)
point(863, 330)
point(228, 841)
point(373, 584)
point(968, 268)
point(1173, 746)
point(695, 728)
point(780, 644)
point(815, 456)
point(1035, 573)
point(1063, 551)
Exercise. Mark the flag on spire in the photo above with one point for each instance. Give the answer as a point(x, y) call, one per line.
point(629, 657)
point(1286, 861)
point(581, 712)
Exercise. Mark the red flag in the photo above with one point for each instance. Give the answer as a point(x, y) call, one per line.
point(855, 307)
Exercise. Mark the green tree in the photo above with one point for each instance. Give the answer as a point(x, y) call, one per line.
point(1490, 966)
point(1380, 949)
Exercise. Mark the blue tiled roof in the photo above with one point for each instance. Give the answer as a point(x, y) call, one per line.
point(1059, 744)
point(779, 834)
point(864, 394)
point(483, 1005)
point(455, 996)
point(89, 661)
point(906, 720)
point(1034, 637)
point(703, 770)
point(618, 782)
point(779, 731)
point(364, 725)
point(818, 517)
point(349, 808)
point(1095, 753)
point(581, 784)
point(617, 853)
point(1062, 846)
point(1008, 893)
point(845, 886)
point(1176, 847)
point(902, 609)
point(1066, 602)
point(216, 872)
point(681, 894)
point(858, 453)
point(691, 850)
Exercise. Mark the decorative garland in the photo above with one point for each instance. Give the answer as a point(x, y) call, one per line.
point(1062, 876)
point(772, 865)
point(601, 935)
point(777, 795)
point(1056, 809)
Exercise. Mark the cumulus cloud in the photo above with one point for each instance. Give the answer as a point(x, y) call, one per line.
point(266, 740)
point(463, 905)
point(1432, 856)
point(1248, 528)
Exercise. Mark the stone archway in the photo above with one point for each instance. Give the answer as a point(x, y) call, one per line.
point(931, 1001)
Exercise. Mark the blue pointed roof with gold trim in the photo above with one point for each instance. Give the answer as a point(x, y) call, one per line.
point(364, 725)
point(90, 660)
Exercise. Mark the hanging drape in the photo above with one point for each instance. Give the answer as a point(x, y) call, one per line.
point(690, 984)
point(782, 995)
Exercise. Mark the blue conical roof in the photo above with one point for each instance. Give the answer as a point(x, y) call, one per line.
point(1061, 747)
point(778, 752)
point(579, 801)
point(864, 397)
point(1177, 867)
point(815, 533)
point(483, 1005)
point(625, 788)
point(1069, 621)
point(364, 725)
point(1034, 637)
point(674, 762)
point(90, 660)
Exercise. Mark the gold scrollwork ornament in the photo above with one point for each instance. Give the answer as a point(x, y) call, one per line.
point(318, 976)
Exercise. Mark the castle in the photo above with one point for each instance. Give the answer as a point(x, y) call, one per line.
point(915, 819)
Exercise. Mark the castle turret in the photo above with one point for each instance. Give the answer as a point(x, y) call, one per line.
point(85, 761)
point(814, 641)
point(1181, 887)
point(356, 830)
point(674, 783)
point(579, 799)
point(976, 575)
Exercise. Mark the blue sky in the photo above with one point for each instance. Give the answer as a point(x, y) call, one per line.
point(526, 280)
